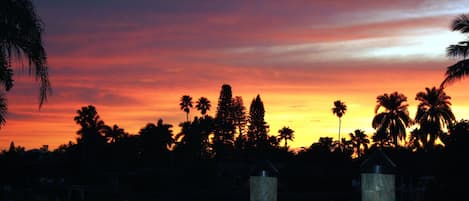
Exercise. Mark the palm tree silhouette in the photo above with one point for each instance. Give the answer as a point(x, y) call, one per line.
point(394, 120)
point(203, 105)
point(189, 138)
point(193, 140)
point(91, 134)
point(358, 140)
point(458, 51)
point(21, 36)
point(186, 105)
point(92, 128)
point(286, 134)
point(339, 110)
point(157, 140)
point(433, 114)
point(115, 133)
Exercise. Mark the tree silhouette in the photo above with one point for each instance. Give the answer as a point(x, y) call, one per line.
point(339, 110)
point(224, 122)
point(240, 122)
point(393, 121)
point(189, 139)
point(115, 134)
point(156, 140)
point(359, 139)
point(458, 51)
point(257, 128)
point(15, 149)
point(92, 127)
point(326, 144)
point(286, 134)
point(91, 138)
point(21, 38)
point(433, 114)
point(192, 140)
point(186, 105)
point(203, 105)
point(344, 147)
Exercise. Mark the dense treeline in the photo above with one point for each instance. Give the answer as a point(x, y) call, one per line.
point(219, 153)
point(235, 132)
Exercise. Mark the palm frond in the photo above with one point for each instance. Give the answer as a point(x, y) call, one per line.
point(22, 39)
point(456, 72)
point(3, 110)
point(378, 120)
point(458, 51)
point(6, 74)
point(461, 23)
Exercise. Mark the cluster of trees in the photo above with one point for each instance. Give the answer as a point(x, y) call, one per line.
point(236, 133)
point(434, 118)
point(433, 122)
point(232, 132)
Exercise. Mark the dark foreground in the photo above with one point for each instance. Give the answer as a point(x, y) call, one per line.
point(420, 177)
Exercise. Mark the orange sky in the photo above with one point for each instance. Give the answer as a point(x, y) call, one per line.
point(135, 61)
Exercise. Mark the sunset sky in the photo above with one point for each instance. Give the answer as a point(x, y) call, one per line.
point(133, 60)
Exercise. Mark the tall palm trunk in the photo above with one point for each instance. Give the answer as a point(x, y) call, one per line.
point(340, 123)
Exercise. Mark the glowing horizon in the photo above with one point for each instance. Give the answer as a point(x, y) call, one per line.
point(134, 62)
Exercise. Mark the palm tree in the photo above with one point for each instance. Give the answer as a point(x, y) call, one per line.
point(192, 140)
point(433, 114)
point(21, 38)
point(286, 134)
point(91, 134)
point(459, 51)
point(115, 134)
point(358, 140)
point(189, 139)
point(165, 134)
point(393, 121)
point(339, 110)
point(92, 128)
point(203, 105)
point(157, 140)
point(186, 105)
